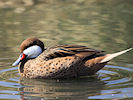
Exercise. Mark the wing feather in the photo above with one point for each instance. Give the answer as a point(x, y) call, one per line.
point(68, 50)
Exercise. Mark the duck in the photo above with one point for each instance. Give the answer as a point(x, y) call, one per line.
point(61, 61)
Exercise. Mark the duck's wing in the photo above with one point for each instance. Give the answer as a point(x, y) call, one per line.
point(68, 50)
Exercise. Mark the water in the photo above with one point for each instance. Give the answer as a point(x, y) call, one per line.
point(99, 24)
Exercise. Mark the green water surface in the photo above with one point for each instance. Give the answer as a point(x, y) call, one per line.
point(100, 24)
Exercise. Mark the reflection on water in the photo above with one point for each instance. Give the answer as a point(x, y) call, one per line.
point(53, 89)
point(99, 24)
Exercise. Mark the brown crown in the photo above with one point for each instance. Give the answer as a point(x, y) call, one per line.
point(30, 42)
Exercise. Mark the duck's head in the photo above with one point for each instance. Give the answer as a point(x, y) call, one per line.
point(29, 48)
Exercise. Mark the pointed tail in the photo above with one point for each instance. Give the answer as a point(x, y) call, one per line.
point(111, 56)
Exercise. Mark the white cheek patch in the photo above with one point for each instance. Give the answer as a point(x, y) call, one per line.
point(33, 51)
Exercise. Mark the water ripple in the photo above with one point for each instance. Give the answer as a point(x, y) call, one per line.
point(118, 81)
point(114, 93)
point(10, 84)
point(120, 67)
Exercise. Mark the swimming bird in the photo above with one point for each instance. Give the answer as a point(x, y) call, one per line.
point(62, 61)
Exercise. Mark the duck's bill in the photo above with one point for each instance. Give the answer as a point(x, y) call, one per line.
point(17, 61)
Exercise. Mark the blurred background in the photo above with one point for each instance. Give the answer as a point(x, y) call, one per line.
point(99, 24)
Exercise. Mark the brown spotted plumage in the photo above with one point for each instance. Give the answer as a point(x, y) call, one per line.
point(63, 61)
